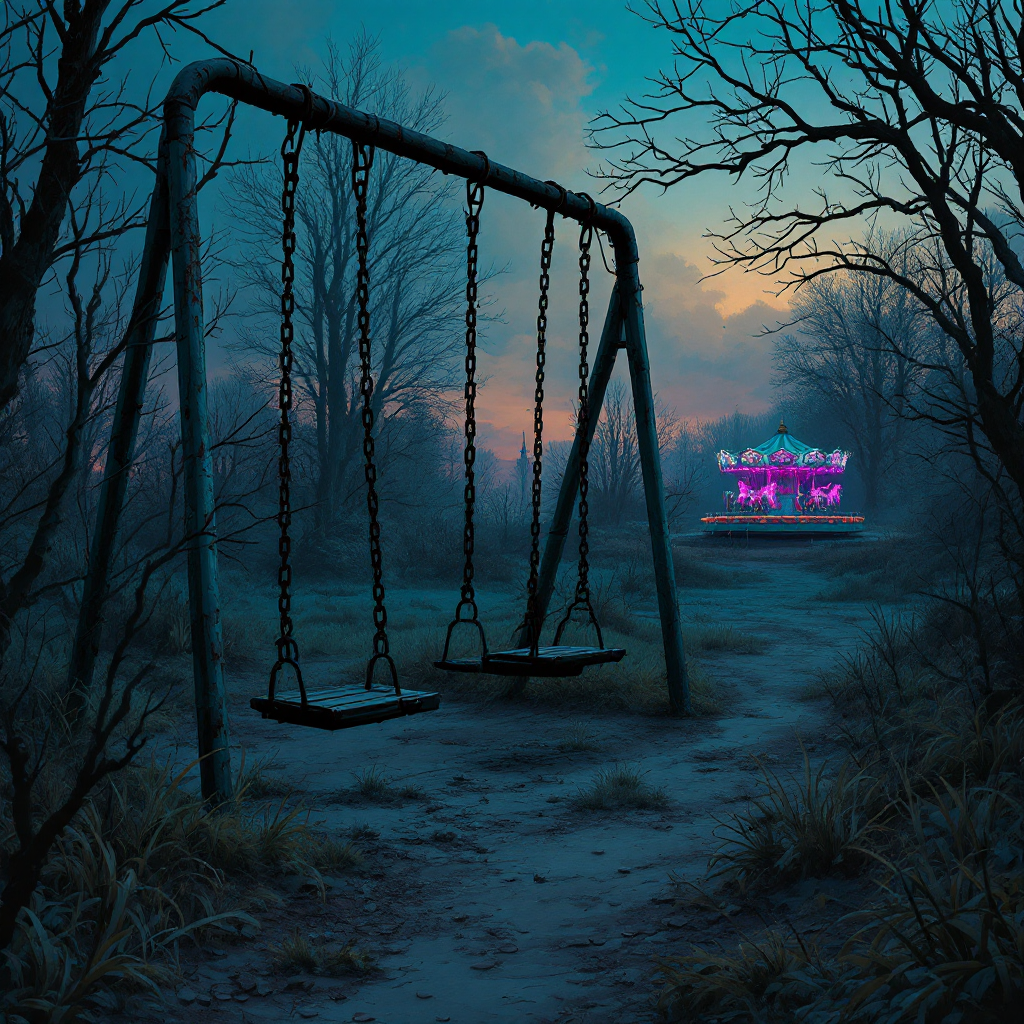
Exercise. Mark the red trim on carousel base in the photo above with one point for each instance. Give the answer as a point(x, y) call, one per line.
point(766, 520)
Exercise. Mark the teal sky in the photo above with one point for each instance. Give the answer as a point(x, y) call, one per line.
point(523, 82)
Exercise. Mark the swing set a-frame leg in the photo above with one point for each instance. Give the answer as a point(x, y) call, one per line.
point(624, 328)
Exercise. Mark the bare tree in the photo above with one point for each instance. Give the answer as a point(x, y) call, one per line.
point(615, 477)
point(75, 125)
point(417, 255)
point(910, 111)
point(65, 130)
point(857, 360)
point(69, 138)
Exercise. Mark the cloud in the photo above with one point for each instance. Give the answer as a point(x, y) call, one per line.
point(521, 103)
point(526, 105)
point(705, 362)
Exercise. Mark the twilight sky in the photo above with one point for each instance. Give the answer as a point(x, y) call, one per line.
point(523, 80)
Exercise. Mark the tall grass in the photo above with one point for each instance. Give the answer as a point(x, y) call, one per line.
point(145, 864)
point(813, 825)
point(940, 764)
point(767, 978)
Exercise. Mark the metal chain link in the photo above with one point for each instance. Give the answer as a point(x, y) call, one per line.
point(583, 581)
point(532, 620)
point(474, 203)
point(362, 162)
point(581, 598)
point(467, 598)
point(287, 647)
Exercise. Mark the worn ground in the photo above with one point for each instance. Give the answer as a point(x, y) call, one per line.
point(490, 897)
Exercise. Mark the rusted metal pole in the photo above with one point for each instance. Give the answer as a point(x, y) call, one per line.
point(200, 524)
point(123, 433)
point(654, 490)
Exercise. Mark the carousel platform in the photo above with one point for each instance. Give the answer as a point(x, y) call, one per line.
point(781, 525)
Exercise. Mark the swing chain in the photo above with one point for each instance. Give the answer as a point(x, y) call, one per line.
point(586, 239)
point(287, 647)
point(467, 596)
point(581, 598)
point(532, 621)
point(474, 203)
point(362, 162)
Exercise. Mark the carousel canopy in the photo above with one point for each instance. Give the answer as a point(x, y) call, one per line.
point(783, 451)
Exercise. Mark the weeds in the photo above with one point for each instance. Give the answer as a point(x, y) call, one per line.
point(372, 785)
point(299, 953)
point(719, 637)
point(620, 787)
point(579, 738)
point(144, 865)
point(768, 977)
point(949, 933)
point(936, 756)
point(125, 882)
point(813, 826)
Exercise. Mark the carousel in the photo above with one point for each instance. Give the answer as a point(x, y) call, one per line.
point(783, 487)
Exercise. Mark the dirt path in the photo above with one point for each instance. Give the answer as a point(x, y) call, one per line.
point(495, 899)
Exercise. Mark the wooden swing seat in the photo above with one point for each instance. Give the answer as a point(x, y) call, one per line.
point(341, 707)
point(548, 662)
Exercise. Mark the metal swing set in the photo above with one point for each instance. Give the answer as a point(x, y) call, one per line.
point(173, 236)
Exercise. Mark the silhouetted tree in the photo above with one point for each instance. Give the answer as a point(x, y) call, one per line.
point(909, 111)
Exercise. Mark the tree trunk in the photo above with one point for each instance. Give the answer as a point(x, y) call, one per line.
point(24, 264)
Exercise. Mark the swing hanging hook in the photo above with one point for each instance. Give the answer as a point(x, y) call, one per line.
point(482, 179)
point(591, 213)
point(309, 121)
point(563, 196)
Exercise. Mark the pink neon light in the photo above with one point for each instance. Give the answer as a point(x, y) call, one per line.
point(753, 495)
point(782, 519)
point(828, 495)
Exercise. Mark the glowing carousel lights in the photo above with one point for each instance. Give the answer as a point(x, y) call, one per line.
point(783, 486)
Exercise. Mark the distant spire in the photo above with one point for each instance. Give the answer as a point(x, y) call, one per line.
point(522, 453)
point(782, 426)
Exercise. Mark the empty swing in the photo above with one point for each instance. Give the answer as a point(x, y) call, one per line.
point(532, 660)
point(351, 704)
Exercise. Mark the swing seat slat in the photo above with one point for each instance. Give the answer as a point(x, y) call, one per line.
point(341, 707)
point(549, 662)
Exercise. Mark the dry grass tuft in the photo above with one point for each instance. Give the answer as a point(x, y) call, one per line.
point(620, 787)
point(332, 855)
point(299, 953)
point(722, 638)
point(373, 786)
point(579, 738)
